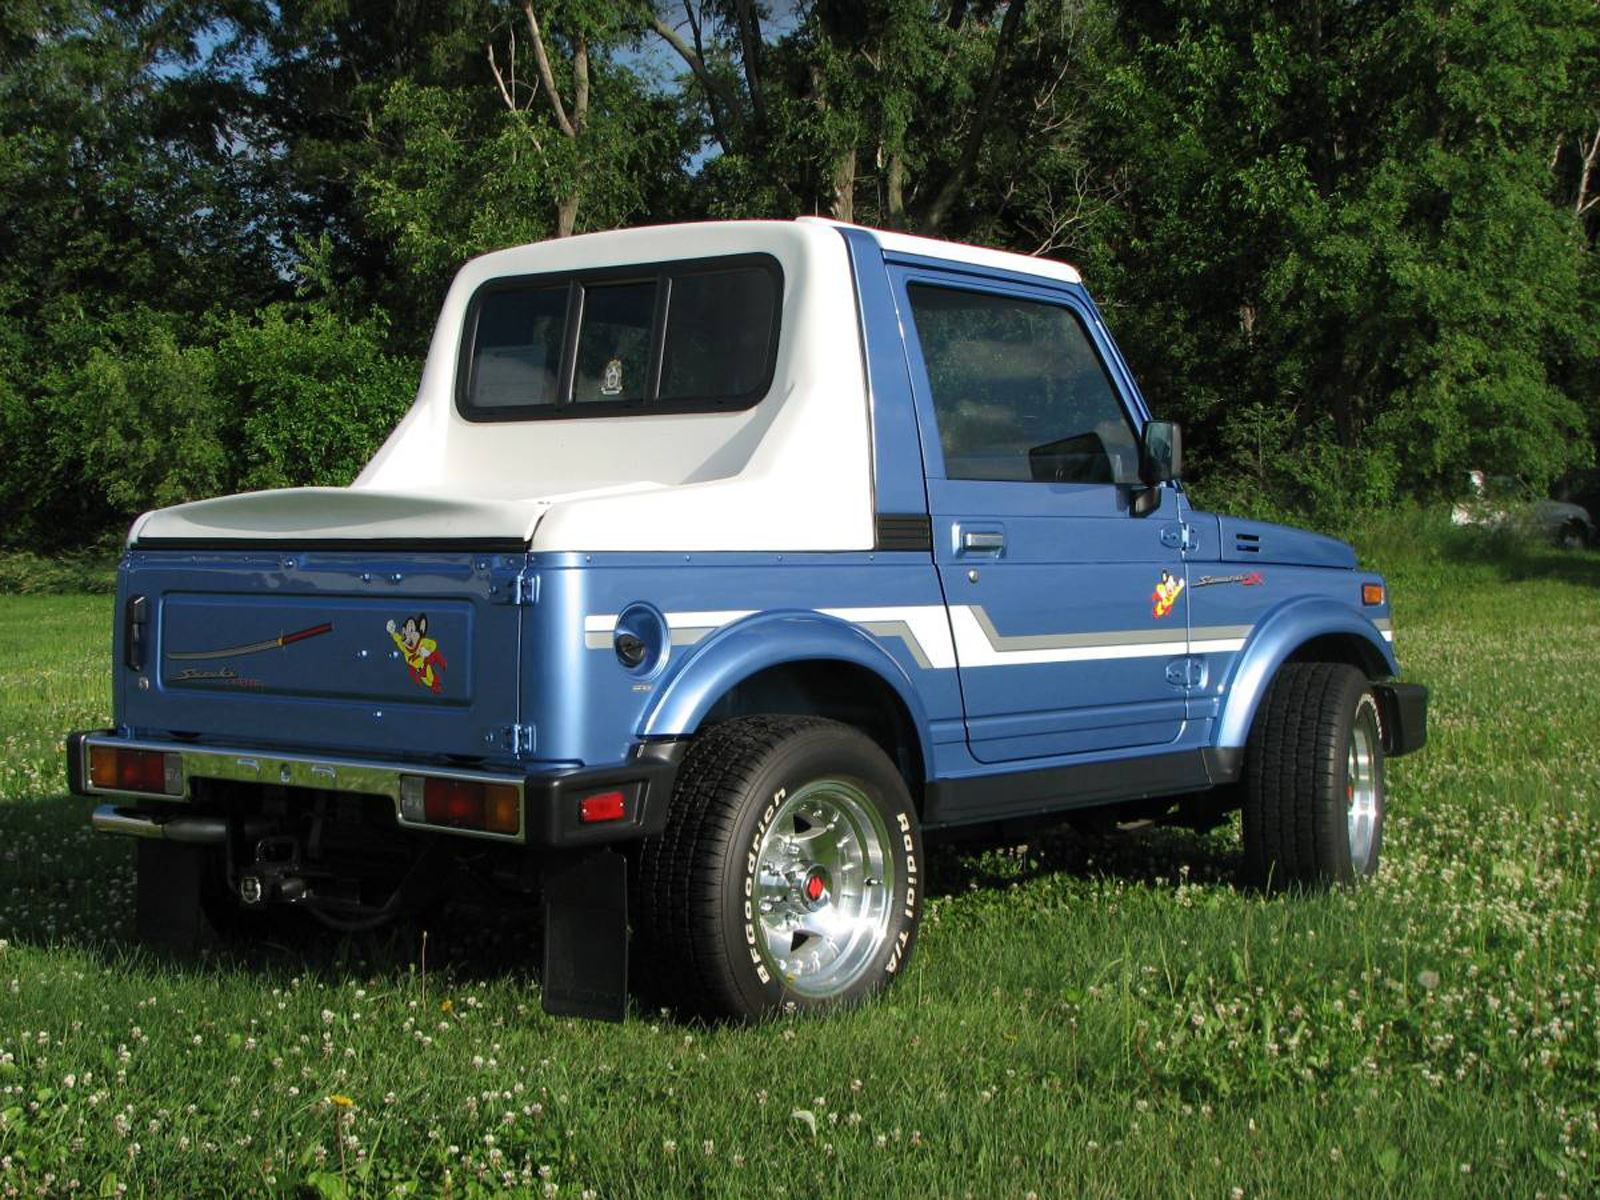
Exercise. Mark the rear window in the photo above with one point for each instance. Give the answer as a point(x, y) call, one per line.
point(673, 337)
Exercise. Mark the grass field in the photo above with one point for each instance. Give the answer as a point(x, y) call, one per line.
point(1083, 1019)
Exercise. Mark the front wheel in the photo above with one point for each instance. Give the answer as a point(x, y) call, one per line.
point(788, 875)
point(1313, 786)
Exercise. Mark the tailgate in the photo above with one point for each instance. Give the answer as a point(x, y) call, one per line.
point(404, 653)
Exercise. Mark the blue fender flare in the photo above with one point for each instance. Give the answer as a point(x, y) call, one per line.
point(1284, 631)
point(755, 644)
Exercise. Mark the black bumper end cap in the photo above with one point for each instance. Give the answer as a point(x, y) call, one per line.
point(76, 784)
point(646, 782)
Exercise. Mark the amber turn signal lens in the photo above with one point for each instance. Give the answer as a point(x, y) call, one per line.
point(502, 811)
point(103, 766)
point(1371, 594)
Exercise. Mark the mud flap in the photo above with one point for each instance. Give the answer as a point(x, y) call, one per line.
point(166, 906)
point(586, 936)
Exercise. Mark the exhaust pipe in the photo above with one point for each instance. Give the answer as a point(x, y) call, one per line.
point(195, 831)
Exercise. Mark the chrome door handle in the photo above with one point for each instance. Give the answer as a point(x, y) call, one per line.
point(975, 539)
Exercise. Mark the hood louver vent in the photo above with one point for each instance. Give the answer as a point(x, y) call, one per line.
point(1247, 543)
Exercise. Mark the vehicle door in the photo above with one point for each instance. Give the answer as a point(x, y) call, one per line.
point(1070, 613)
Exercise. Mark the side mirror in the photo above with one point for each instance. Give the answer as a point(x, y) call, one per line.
point(1160, 452)
point(1160, 460)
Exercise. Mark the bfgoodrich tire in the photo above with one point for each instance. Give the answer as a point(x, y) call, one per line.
point(1313, 786)
point(789, 874)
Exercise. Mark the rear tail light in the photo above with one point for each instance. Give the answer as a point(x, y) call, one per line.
point(119, 769)
point(461, 803)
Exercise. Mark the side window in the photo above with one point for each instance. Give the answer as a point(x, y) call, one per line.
point(1019, 391)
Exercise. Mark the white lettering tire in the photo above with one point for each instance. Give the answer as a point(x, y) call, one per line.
point(789, 874)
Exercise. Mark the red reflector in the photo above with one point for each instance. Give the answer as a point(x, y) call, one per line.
point(453, 802)
point(603, 806)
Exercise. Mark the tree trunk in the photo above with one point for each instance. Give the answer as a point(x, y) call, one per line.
point(567, 213)
point(897, 190)
point(933, 221)
point(844, 186)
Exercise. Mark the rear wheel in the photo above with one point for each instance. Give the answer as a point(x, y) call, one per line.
point(788, 875)
point(1313, 787)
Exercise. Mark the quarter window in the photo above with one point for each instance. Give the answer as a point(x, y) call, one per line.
point(1019, 391)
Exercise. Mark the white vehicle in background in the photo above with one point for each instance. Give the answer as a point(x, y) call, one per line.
point(1492, 504)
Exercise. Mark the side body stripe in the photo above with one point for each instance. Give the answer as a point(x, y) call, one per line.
point(967, 635)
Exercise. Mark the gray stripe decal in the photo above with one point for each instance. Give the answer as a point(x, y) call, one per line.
point(901, 630)
point(1114, 637)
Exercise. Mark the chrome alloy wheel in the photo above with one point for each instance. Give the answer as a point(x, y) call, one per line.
point(824, 886)
point(1362, 811)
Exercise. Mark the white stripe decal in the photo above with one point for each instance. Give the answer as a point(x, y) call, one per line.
point(678, 620)
point(1217, 646)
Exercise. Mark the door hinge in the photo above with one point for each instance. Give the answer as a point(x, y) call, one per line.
point(1179, 536)
point(519, 589)
point(1187, 673)
point(519, 739)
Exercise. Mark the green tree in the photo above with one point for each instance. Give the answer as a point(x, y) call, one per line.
point(424, 132)
point(955, 119)
point(1344, 268)
point(311, 394)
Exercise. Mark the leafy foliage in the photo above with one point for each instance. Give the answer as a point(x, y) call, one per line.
point(1345, 219)
point(317, 394)
point(1350, 246)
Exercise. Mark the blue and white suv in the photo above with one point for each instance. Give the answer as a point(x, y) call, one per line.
point(713, 566)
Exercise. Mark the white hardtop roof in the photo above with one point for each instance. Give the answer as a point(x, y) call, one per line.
point(977, 256)
point(741, 479)
point(617, 247)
